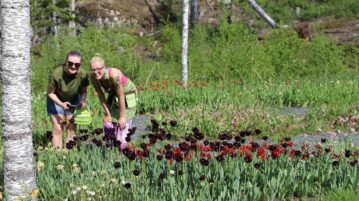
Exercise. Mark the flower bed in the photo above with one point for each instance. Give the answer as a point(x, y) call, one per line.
point(234, 167)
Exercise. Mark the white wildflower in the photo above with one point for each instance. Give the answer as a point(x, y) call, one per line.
point(39, 165)
point(60, 167)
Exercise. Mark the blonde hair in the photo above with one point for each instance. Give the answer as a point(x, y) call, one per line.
point(98, 58)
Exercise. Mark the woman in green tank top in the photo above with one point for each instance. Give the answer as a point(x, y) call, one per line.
point(67, 88)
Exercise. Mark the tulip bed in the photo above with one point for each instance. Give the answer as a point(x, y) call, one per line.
point(232, 167)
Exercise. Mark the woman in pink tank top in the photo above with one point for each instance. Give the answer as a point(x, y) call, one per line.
point(120, 103)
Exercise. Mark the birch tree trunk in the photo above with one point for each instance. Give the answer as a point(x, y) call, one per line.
point(19, 173)
point(185, 42)
point(263, 14)
point(54, 19)
point(194, 11)
point(72, 24)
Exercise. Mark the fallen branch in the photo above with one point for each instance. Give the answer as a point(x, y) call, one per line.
point(263, 14)
point(209, 5)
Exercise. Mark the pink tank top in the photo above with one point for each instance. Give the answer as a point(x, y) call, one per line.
point(124, 79)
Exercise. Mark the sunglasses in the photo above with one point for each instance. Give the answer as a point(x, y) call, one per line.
point(70, 64)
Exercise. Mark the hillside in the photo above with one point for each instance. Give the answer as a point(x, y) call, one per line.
point(147, 15)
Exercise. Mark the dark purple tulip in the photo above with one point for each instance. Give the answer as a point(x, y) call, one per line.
point(187, 138)
point(243, 141)
point(117, 165)
point(83, 130)
point(153, 140)
point(243, 133)
point(204, 162)
point(193, 141)
point(258, 131)
point(348, 153)
point(127, 185)
point(168, 136)
point(219, 158)
point(131, 155)
point(162, 131)
point(237, 144)
point(195, 130)
point(248, 132)
point(184, 146)
point(145, 153)
point(265, 138)
point(159, 157)
point(128, 138)
point(248, 159)
point(155, 126)
point(162, 175)
point(193, 147)
point(284, 144)
point(237, 138)
point(257, 165)
point(173, 123)
point(168, 147)
point(98, 131)
point(69, 146)
point(136, 172)
point(198, 136)
point(327, 150)
point(178, 158)
point(335, 163)
point(143, 145)
point(297, 153)
point(287, 139)
point(222, 136)
point(202, 178)
point(272, 147)
point(164, 123)
point(49, 135)
point(169, 155)
point(353, 162)
point(323, 140)
point(206, 143)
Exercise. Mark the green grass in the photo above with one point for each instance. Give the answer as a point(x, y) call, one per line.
point(341, 195)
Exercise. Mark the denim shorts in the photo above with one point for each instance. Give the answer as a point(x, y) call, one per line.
point(53, 108)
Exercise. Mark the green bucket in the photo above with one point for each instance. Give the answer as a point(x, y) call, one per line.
point(82, 117)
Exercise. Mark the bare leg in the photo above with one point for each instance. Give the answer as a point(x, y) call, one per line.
point(70, 128)
point(58, 127)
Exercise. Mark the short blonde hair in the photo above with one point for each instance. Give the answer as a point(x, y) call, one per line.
point(98, 58)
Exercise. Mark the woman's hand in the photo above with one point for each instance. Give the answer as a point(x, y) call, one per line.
point(122, 123)
point(65, 105)
point(82, 105)
point(108, 119)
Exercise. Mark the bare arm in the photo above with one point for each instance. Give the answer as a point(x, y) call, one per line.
point(51, 94)
point(121, 96)
point(116, 79)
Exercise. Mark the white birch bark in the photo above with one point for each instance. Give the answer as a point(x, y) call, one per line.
point(19, 172)
point(185, 42)
point(263, 14)
point(72, 24)
point(54, 19)
point(194, 11)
